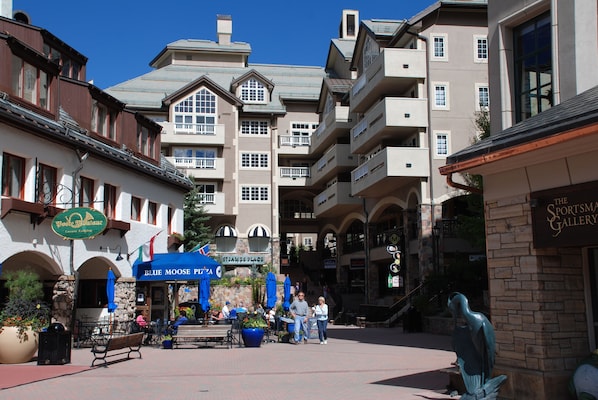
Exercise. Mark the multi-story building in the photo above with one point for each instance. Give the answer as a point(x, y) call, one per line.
point(540, 184)
point(296, 156)
point(67, 144)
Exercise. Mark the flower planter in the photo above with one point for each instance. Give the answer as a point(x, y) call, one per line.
point(15, 349)
point(252, 337)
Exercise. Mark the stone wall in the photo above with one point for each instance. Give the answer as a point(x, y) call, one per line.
point(537, 305)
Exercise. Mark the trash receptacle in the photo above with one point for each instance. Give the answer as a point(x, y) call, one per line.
point(54, 346)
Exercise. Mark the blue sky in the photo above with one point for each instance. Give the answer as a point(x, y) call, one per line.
point(120, 38)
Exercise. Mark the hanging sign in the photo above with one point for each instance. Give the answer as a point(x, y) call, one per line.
point(79, 223)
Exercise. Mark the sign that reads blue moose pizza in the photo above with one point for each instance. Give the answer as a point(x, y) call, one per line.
point(79, 223)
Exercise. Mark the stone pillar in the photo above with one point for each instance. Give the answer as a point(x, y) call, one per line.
point(537, 305)
point(62, 300)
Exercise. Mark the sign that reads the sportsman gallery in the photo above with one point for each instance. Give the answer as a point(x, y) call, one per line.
point(565, 216)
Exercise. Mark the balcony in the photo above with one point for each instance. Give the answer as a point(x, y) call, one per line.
point(336, 200)
point(213, 203)
point(394, 71)
point(393, 119)
point(334, 124)
point(293, 176)
point(192, 134)
point(293, 144)
point(198, 167)
point(335, 160)
point(388, 170)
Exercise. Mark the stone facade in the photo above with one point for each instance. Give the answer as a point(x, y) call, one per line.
point(537, 303)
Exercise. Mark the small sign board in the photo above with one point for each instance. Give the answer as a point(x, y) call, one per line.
point(79, 223)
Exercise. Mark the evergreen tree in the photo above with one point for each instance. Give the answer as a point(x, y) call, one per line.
point(196, 229)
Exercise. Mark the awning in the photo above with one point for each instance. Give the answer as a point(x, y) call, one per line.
point(177, 267)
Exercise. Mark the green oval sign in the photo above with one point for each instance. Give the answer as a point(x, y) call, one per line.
point(79, 223)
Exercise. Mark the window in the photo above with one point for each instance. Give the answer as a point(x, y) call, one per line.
point(254, 160)
point(442, 144)
point(371, 50)
point(301, 133)
point(533, 67)
point(103, 120)
point(46, 183)
point(439, 47)
point(86, 193)
point(152, 213)
point(196, 114)
point(13, 176)
point(255, 193)
point(135, 208)
point(30, 83)
point(253, 91)
point(146, 141)
point(330, 104)
point(195, 158)
point(307, 242)
point(70, 68)
point(92, 293)
point(441, 96)
point(109, 201)
point(483, 97)
point(480, 49)
point(206, 192)
point(250, 127)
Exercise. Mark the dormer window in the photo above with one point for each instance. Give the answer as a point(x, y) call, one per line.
point(30, 83)
point(253, 91)
point(196, 114)
point(371, 50)
point(103, 120)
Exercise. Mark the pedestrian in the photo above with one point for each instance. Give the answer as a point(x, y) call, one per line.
point(321, 311)
point(299, 310)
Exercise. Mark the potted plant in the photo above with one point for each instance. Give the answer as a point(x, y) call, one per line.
point(167, 342)
point(23, 316)
point(252, 330)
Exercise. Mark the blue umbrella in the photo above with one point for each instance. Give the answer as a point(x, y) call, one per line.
point(287, 294)
point(204, 292)
point(270, 290)
point(110, 291)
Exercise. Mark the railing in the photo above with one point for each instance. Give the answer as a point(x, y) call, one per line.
point(294, 172)
point(196, 129)
point(195, 162)
point(207, 198)
point(294, 141)
point(392, 313)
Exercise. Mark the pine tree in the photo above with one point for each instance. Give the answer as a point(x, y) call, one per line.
point(196, 229)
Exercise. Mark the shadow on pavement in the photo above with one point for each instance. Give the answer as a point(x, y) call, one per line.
point(391, 337)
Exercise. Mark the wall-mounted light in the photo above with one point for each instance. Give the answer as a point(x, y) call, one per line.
point(119, 257)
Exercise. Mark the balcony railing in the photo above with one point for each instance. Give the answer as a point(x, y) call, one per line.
point(195, 129)
point(294, 172)
point(195, 162)
point(294, 141)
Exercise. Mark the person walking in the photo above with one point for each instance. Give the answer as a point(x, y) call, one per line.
point(299, 310)
point(321, 311)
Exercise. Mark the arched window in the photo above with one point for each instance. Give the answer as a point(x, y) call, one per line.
point(252, 91)
point(196, 114)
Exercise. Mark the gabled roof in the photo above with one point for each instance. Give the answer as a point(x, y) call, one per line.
point(335, 86)
point(249, 74)
point(382, 31)
point(291, 82)
point(201, 81)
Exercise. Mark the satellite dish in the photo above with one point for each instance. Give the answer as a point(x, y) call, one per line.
point(21, 16)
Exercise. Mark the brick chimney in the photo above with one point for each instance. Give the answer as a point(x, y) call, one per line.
point(6, 8)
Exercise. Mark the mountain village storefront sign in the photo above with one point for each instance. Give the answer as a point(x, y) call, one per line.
point(565, 216)
point(79, 223)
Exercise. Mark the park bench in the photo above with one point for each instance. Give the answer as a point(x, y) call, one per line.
point(129, 343)
point(203, 334)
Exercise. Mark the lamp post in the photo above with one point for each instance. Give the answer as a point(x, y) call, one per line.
point(436, 231)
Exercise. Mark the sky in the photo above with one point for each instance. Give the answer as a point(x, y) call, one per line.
point(120, 38)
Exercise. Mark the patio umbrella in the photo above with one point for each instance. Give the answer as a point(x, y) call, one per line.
point(270, 290)
point(204, 292)
point(111, 278)
point(287, 294)
point(110, 291)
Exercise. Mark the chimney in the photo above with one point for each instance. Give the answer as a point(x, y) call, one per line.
point(224, 29)
point(349, 27)
point(6, 8)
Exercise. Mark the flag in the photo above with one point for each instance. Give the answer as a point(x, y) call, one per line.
point(203, 250)
point(146, 251)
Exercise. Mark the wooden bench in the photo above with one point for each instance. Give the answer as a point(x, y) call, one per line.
point(204, 334)
point(130, 343)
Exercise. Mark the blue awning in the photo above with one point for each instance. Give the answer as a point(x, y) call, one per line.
point(177, 267)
